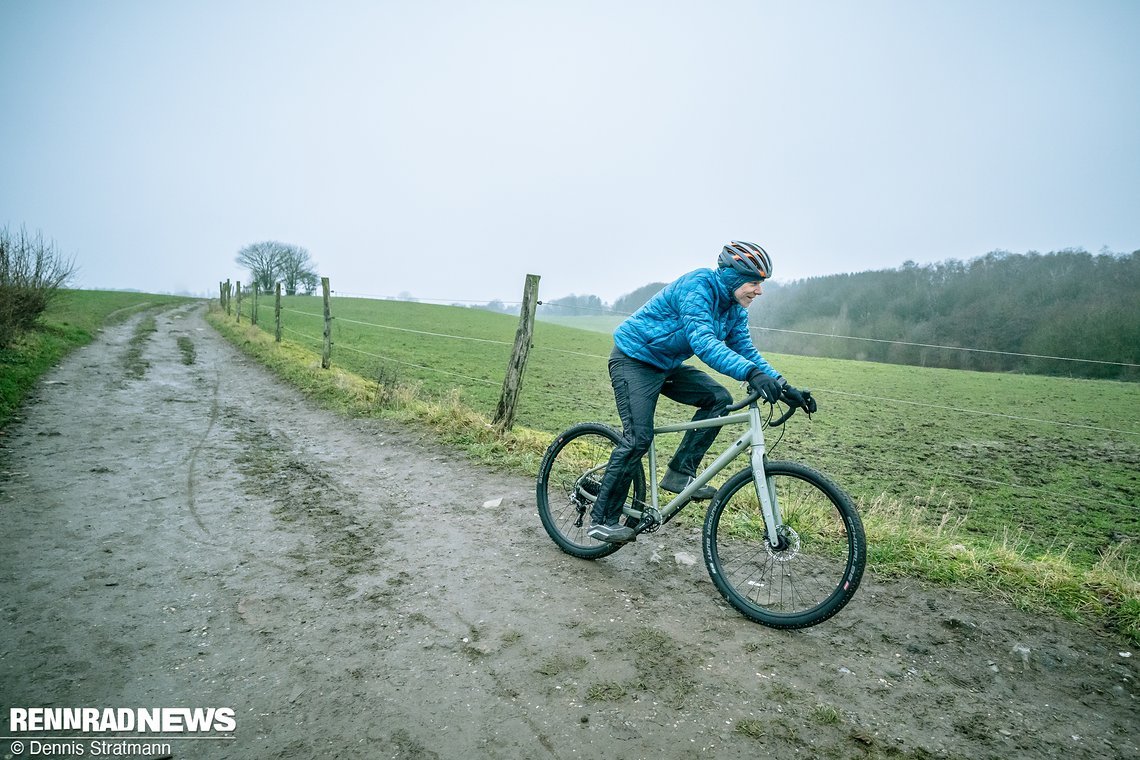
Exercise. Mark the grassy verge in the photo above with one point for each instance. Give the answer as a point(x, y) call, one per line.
point(388, 397)
point(72, 321)
point(1105, 593)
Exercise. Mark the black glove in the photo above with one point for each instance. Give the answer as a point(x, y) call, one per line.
point(802, 399)
point(767, 386)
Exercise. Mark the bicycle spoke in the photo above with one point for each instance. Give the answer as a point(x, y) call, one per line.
point(814, 569)
point(569, 480)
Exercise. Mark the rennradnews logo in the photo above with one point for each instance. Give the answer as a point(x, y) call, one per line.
point(94, 720)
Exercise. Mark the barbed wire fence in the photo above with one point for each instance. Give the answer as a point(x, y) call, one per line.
point(597, 404)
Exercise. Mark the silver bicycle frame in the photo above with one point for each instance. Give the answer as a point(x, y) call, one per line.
point(753, 437)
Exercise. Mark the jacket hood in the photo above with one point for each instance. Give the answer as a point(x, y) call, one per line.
point(729, 280)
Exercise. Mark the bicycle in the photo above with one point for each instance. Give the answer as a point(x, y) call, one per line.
point(783, 544)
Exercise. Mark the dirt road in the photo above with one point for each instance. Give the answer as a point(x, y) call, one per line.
point(202, 536)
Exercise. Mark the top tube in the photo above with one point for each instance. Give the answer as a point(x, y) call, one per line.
point(725, 419)
point(728, 419)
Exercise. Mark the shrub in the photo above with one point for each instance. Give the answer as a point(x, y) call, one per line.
point(31, 273)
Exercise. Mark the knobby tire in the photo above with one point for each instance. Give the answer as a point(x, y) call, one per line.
point(816, 569)
point(573, 466)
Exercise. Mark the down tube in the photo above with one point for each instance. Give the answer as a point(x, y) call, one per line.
point(709, 472)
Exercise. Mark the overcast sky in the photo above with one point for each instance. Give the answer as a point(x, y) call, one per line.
point(446, 149)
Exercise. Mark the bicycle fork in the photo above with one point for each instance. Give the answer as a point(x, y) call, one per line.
point(765, 488)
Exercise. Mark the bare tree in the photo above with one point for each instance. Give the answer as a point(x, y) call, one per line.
point(263, 260)
point(297, 270)
point(271, 260)
point(32, 272)
point(308, 282)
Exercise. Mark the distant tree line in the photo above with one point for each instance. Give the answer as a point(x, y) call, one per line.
point(585, 305)
point(573, 306)
point(631, 302)
point(1068, 303)
point(1002, 312)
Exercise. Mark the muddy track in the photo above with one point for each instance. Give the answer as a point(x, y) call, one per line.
point(200, 535)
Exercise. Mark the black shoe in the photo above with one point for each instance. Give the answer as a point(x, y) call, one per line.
point(675, 482)
point(613, 534)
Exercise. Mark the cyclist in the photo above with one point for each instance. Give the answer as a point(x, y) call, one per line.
point(704, 313)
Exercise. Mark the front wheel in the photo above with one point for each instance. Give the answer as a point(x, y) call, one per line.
point(568, 483)
point(817, 562)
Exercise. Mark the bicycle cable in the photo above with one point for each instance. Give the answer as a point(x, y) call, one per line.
point(768, 424)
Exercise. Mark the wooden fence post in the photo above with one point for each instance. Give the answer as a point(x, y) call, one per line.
point(238, 309)
point(221, 294)
point(228, 291)
point(512, 383)
point(277, 314)
point(253, 317)
point(326, 355)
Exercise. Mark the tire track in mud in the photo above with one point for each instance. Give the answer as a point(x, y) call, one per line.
point(192, 463)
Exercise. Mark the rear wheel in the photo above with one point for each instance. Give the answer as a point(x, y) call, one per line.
point(819, 558)
point(568, 483)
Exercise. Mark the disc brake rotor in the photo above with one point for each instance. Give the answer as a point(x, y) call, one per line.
point(789, 547)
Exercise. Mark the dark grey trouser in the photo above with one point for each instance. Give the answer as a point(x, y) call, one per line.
point(637, 386)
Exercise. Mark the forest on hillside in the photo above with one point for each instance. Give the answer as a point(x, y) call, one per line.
point(1067, 313)
point(1062, 313)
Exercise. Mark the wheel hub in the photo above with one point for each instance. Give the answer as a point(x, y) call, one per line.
point(788, 547)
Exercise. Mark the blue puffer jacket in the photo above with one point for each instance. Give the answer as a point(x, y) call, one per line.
point(695, 314)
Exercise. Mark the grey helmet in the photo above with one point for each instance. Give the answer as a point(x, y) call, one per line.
point(748, 259)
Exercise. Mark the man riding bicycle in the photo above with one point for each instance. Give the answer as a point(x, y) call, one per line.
point(702, 313)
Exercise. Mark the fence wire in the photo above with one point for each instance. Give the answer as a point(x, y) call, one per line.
point(605, 358)
point(541, 396)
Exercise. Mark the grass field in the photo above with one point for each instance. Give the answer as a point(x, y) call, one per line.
point(961, 476)
point(1055, 461)
point(71, 321)
point(603, 323)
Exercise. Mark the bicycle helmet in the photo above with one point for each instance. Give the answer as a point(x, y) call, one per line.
point(748, 259)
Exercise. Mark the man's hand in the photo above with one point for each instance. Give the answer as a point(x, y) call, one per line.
point(768, 387)
point(802, 399)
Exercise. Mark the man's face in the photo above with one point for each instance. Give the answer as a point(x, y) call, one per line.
point(746, 292)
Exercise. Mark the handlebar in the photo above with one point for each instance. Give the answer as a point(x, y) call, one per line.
point(751, 398)
point(784, 417)
point(754, 396)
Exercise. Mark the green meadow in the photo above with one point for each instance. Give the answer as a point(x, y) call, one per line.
point(1025, 486)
